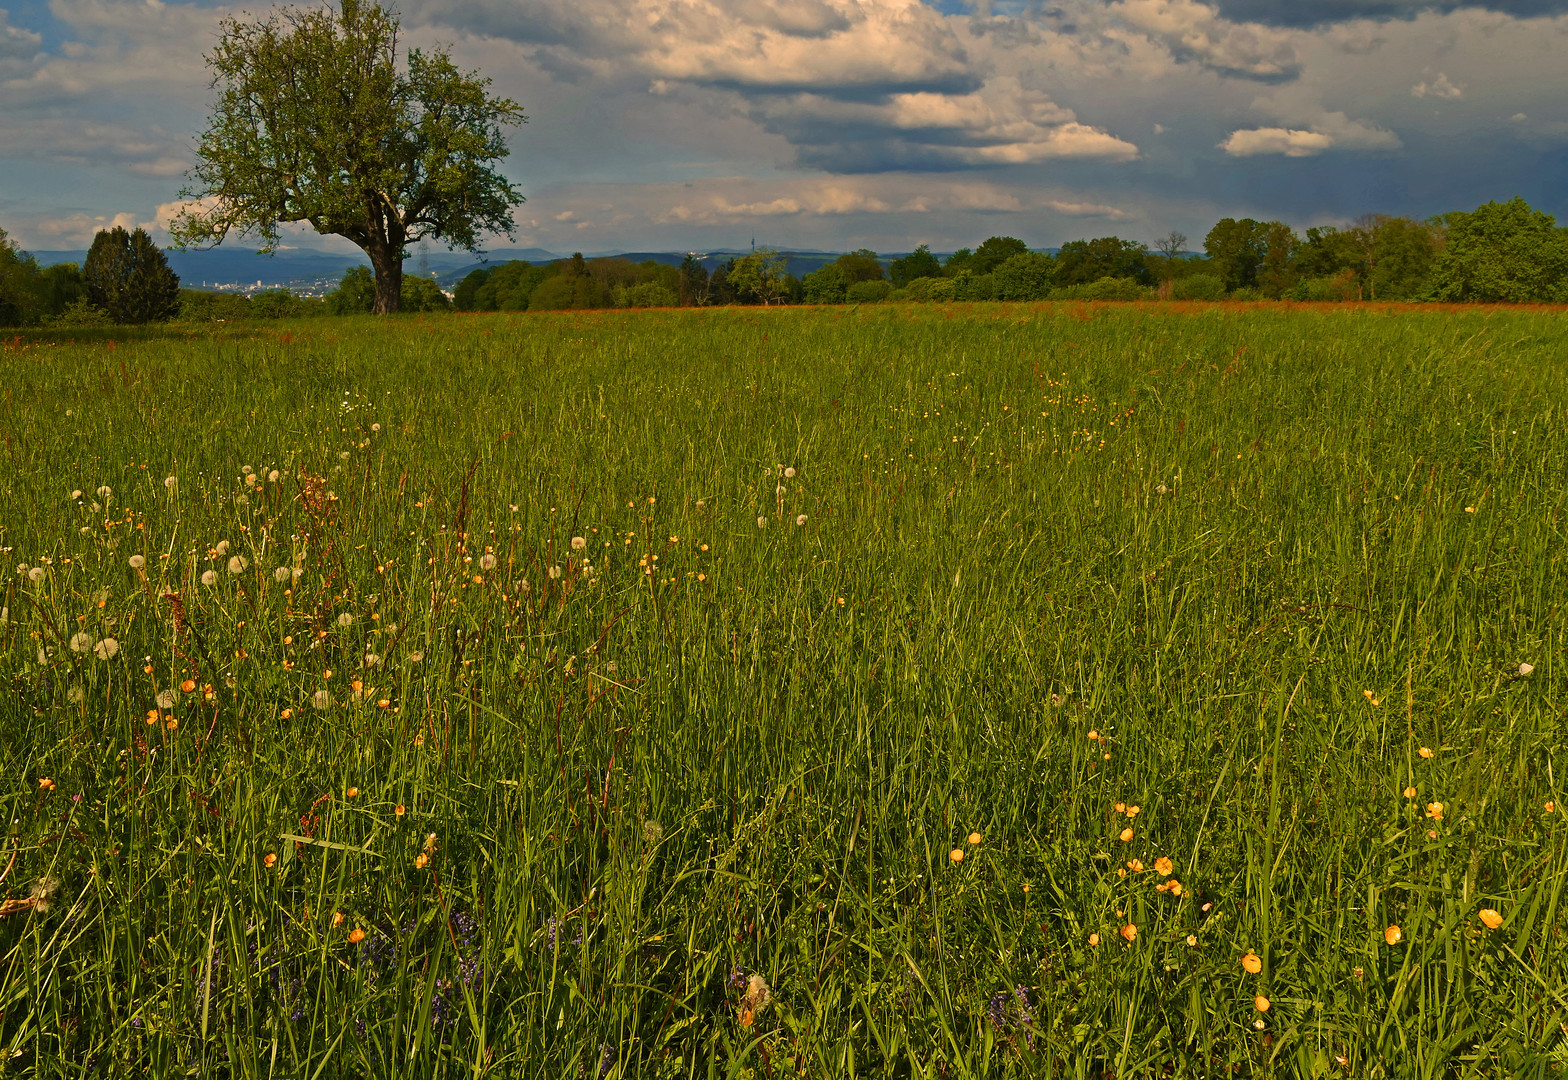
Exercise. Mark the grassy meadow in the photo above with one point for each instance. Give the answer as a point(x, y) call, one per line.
point(960, 691)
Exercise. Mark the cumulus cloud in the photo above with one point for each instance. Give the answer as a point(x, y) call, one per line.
point(15, 42)
point(1333, 130)
point(1197, 32)
point(1439, 87)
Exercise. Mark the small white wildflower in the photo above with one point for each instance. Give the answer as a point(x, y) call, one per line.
point(36, 574)
point(165, 699)
point(137, 562)
point(106, 648)
point(280, 575)
point(789, 473)
point(345, 619)
point(237, 564)
point(209, 577)
point(169, 482)
point(762, 523)
point(321, 699)
point(487, 562)
point(82, 642)
point(800, 520)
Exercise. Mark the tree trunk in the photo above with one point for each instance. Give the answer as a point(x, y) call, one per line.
point(387, 262)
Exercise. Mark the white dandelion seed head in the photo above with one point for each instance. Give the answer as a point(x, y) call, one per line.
point(800, 520)
point(372, 660)
point(165, 699)
point(789, 473)
point(578, 543)
point(209, 577)
point(1161, 490)
point(345, 619)
point(84, 530)
point(42, 893)
point(137, 562)
point(702, 504)
point(762, 523)
point(5, 614)
point(611, 667)
point(169, 482)
point(74, 695)
point(237, 564)
point(222, 547)
point(272, 477)
point(106, 649)
point(524, 587)
point(321, 699)
point(246, 469)
point(105, 491)
point(250, 480)
point(229, 680)
point(555, 573)
point(81, 642)
point(36, 574)
point(487, 561)
point(241, 500)
point(77, 494)
point(1525, 669)
point(780, 490)
point(280, 575)
point(758, 993)
point(375, 427)
point(43, 656)
point(343, 454)
point(652, 832)
point(415, 657)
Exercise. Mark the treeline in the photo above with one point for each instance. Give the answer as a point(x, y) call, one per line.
point(126, 280)
point(1497, 253)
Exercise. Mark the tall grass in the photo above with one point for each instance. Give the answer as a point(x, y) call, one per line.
point(1255, 585)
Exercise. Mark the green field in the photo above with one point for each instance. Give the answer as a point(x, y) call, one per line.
point(852, 584)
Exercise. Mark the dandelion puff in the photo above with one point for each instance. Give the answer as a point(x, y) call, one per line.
point(555, 572)
point(280, 575)
point(789, 473)
point(209, 577)
point(578, 543)
point(1525, 669)
point(42, 893)
point(345, 619)
point(372, 660)
point(415, 657)
point(77, 494)
point(250, 481)
point(240, 500)
point(762, 523)
point(106, 649)
point(137, 562)
point(36, 574)
point(652, 832)
point(780, 490)
point(702, 504)
point(487, 562)
point(321, 699)
point(222, 547)
point(237, 564)
point(272, 477)
point(343, 454)
point(165, 699)
point(169, 482)
point(105, 491)
point(375, 427)
point(246, 469)
point(5, 615)
point(1161, 490)
point(801, 520)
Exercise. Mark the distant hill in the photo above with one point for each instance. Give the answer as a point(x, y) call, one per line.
point(313, 273)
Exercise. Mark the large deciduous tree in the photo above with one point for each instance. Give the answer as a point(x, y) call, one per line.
point(1501, 253)
point(316, 122)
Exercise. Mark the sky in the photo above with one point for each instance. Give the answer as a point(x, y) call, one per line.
point(678, 125)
